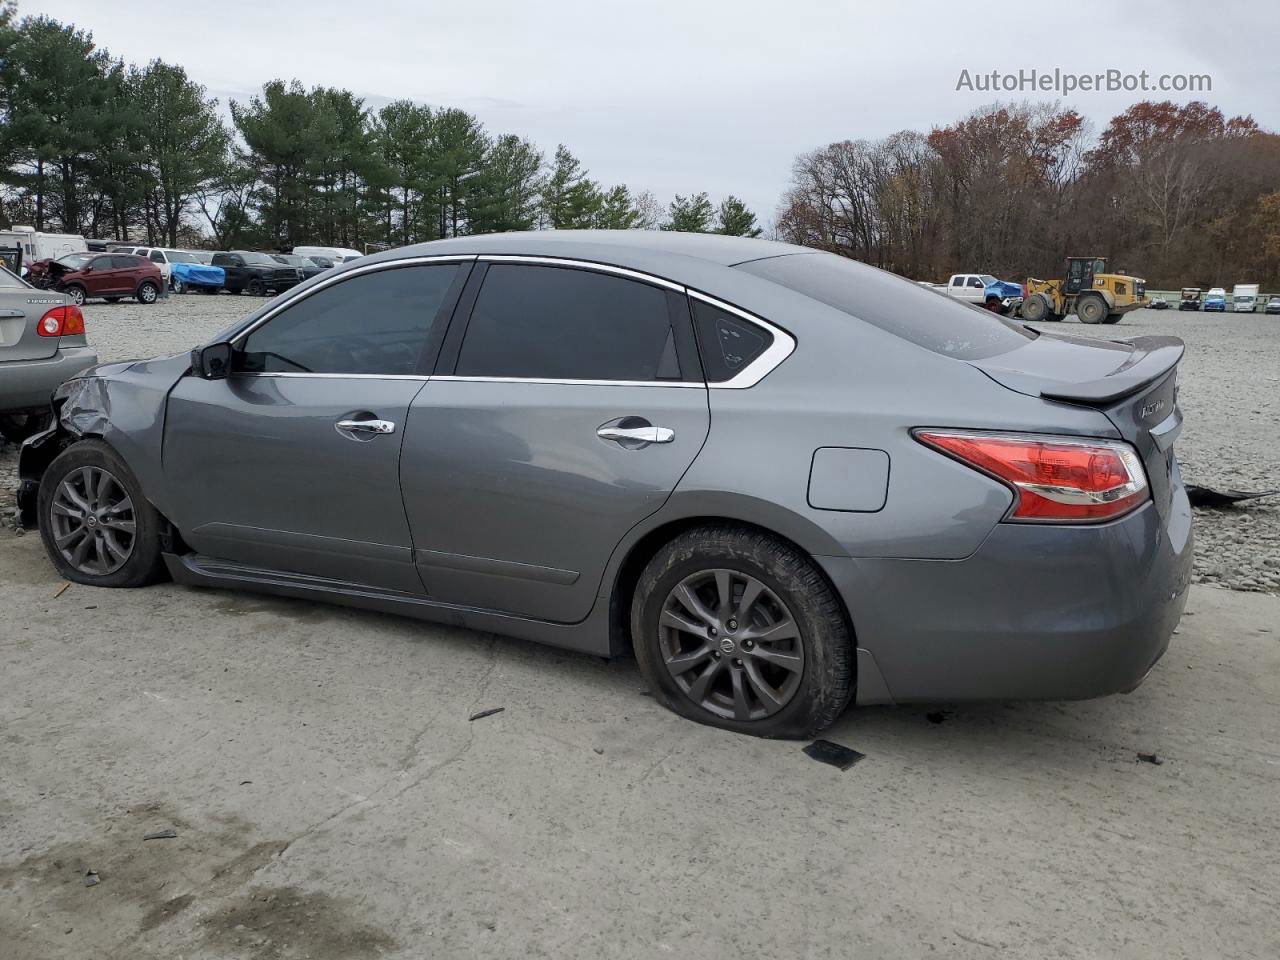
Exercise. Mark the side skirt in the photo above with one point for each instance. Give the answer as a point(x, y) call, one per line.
point(590, 636)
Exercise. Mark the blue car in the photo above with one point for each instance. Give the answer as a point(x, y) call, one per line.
point(1215, 299)
point(197, 276)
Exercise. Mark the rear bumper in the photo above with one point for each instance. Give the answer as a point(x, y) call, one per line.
point(1036, 613)
point(28, 384)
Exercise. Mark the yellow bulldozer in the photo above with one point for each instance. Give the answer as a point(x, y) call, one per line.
point(1088, 291)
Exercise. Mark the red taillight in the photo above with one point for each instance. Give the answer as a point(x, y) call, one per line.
point(1054, 478)
point(65, 321)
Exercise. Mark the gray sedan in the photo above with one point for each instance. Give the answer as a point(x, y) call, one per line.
point(42, 343)
point(786, 480)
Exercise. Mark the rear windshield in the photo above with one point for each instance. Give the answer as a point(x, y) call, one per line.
point(923, 316)
point(7, 279)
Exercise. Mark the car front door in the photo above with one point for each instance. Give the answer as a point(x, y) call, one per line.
point(292, 462)
point(100, 278)
point(566, 406)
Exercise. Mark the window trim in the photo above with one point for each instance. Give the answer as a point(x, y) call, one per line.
point(783, 345)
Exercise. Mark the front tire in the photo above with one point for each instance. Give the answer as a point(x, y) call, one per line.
point(736, 629)
point(257, 289)
point(77, 295)
point(1035, 308)
point(98, 528)
point(1091, 309)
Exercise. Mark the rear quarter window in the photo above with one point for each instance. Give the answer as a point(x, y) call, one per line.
point(924, 317)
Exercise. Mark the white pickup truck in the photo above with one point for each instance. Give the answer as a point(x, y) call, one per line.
point(984, 290)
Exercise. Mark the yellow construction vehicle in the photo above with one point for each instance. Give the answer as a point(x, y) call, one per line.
point(1089, 292)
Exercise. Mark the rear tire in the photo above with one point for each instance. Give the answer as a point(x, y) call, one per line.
point(16, 427)
point(736, 629)
point(90, 480)
point(148, 292)
point(1091, 309)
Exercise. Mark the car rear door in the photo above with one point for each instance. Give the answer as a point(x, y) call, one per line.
point(292, 463)
point(567, 404)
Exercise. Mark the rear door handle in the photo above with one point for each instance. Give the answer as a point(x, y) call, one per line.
point(637, 434)
point(366, 426)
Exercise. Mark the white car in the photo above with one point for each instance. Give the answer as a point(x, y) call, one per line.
point(336, 254)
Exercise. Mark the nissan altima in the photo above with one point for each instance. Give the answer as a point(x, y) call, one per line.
point(784, 479)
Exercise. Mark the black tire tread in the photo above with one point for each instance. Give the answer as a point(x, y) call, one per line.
point(146, 565)
point(829, 667)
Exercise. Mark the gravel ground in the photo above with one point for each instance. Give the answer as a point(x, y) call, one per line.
point(1230, 393)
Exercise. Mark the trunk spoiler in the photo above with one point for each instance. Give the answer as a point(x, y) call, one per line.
point(1152, 358)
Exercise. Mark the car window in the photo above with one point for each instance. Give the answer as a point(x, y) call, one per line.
point(126, 263)
point(258, 259)
point(76, 261)
point(726, 342)
point(102, 263)
point(179, 256)
point(975, 282)
point(8, 280)
point(550, 323)
point(157, 256)
point(927, 318)
point(957, 281)
point(376, 323)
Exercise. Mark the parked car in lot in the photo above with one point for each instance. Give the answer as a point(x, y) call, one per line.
point(1159, 303)
point(42, 343)
point(1189, 299)
point(308, 267)
point(1215, 300)
point(1244, 298)
point(100, 276)
point(192, 275)
point(748, 461)
point(255, 273)
point(1273, 305)
point(334, 254)
point(984, 290)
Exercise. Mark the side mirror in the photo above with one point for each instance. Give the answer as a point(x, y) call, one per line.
point(212, 362)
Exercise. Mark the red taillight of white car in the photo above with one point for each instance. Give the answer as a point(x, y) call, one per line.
point(1054, 479)
point(65, 321)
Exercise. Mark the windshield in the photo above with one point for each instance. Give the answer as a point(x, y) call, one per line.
point(923, 316)
point(261, 259)
point(74, 261)
point(179, 256)
point(987, 279)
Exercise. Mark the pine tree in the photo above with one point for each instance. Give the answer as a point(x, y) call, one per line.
point(690, 214)
point(734, 219)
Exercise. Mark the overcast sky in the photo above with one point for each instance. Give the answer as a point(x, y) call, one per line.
point(678, 96)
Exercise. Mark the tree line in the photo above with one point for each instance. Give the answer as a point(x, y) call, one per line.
point(1178, 194)
point(91, 145)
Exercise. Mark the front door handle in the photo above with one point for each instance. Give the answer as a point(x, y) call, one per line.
point(637, 434)
point(366, 426)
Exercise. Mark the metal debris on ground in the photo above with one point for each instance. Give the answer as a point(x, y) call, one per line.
point(824, 751)
point(161, 835)
point(1150, 758)
point(1209, 497)
point(91, 878)
point(485, 713)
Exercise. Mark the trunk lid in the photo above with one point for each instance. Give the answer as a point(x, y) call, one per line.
point(1133, 382)
point(20, 311)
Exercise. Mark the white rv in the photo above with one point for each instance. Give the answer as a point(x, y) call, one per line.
point(335, 254)
point(1244, 298)
point(37, 245)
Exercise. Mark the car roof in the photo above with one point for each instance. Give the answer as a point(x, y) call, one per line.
point(622, 247)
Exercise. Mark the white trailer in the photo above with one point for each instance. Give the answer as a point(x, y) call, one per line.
point(38, 245)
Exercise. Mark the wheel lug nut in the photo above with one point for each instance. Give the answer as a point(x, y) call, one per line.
point(733, 624)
